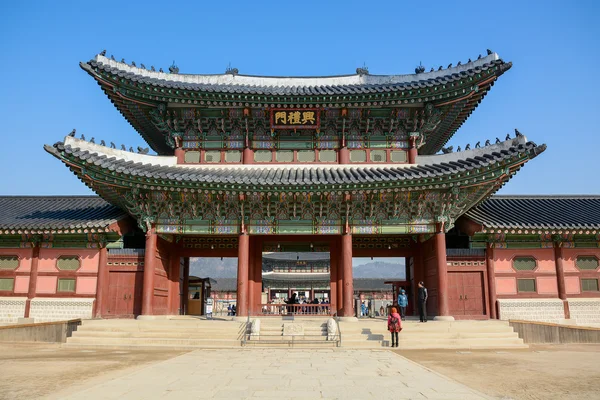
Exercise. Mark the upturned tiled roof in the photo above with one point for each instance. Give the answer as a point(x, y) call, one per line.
point(261, 177)
point(56, 214)
point(538, 212)
point(292, 86)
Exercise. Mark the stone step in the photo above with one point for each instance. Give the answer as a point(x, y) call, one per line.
point(152, 341)
point(436, 335)
point(165, 334)
point(475, 343)
point(146, 347)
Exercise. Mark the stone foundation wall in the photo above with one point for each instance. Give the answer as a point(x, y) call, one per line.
point(585, 311)
point(60, 309)
point(543, 310)
point(12, 308)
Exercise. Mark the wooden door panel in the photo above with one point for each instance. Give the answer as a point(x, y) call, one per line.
point(473, 298)
point(455, 293)
point(125, 292)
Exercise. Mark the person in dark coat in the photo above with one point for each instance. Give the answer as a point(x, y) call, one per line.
point(422, 300)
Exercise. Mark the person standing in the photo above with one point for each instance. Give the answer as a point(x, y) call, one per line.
point(402, 303)
point(394, 326)
point(422, 297)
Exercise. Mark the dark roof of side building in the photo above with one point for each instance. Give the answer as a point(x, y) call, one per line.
point(547, 212)
point(56, 214)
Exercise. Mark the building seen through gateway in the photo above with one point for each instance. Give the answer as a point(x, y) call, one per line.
point(261, 168)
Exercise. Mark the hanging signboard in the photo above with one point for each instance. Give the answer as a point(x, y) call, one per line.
point(295, 118)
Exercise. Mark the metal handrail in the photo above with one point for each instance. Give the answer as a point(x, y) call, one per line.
point(273, 309)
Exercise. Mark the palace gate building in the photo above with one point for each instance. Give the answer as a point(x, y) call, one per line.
point(351, 165)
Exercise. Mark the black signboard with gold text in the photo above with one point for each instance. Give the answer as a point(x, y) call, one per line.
point(295, 118)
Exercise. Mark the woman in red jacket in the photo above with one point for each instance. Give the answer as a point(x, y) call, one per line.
point(394, 325)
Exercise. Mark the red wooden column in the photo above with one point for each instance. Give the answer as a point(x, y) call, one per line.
point(412, 151)
point(185, 295)
point(102, 282)
point(346, 263)
point(560, 277)
point(174, 275)
point(257, 259)
point(333, 272)
point(149, 268)
point(242, 275)
point(491, 276)
point(419, 275)
point(33, 274)
point(442, 271)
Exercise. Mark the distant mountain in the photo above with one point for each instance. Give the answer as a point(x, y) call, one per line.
point(227, 268)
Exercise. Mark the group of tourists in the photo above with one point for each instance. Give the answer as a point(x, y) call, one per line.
point(295, 305)
point(394, 323)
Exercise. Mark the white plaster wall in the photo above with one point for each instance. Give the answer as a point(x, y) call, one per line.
point(543, 310)
point(12, 308)
point(60, 309)
point(585, 311)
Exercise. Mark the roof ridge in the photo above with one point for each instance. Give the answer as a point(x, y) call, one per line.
point(50, 196)
point(545, 196)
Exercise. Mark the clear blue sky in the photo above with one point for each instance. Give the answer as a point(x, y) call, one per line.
point(550, 94)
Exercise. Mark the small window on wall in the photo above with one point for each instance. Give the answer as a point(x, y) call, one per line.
point(587, 262)
point(589, 285)
point(9, 262)
point(7, 284)
point(263, 156)
point(358, 156)
point(327, 156)
point(192, 157)
point(212, 156)
point(398, 156)
point(233, 156)
point(65, 285)
point(306, 156)
point(68, 263)
point(524, 263)
point(378, 156)
point(526, 285)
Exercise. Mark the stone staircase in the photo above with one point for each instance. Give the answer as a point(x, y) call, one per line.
point(278, 332)
point(175, 333)
point(188, 333)
point(464, 335)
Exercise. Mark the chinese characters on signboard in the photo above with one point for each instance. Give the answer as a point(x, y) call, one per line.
point(291, 118)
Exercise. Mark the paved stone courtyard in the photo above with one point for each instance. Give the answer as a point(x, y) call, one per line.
point(282, 374)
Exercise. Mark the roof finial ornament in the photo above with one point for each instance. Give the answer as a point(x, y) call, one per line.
point(487, 142)
point(152, 68)
point(440, 68)
point(133, 64)
point(420, 69)
point(364, 70)
point(459, 149)
point(103, 53)
point(469, 60)
point(174, 69)
point(459, 63)
point(112, 145)
point(123, 61)
point(72, 133)
point(143, 150)
point(142, 66)
point(517, 133)
point(160, 70)
point(123, 147)
point(102, 143)
point(82, 137)
point(446, 150)
point(231, 71)
point(468, 146)
point(112, 57)
point(479, 58)
point(92, 140)
point(450, 65)
point(130, 149)
point(431, 69)
point(507, 136)
point(477, 145)
point(497, 140)
point(489, 52)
